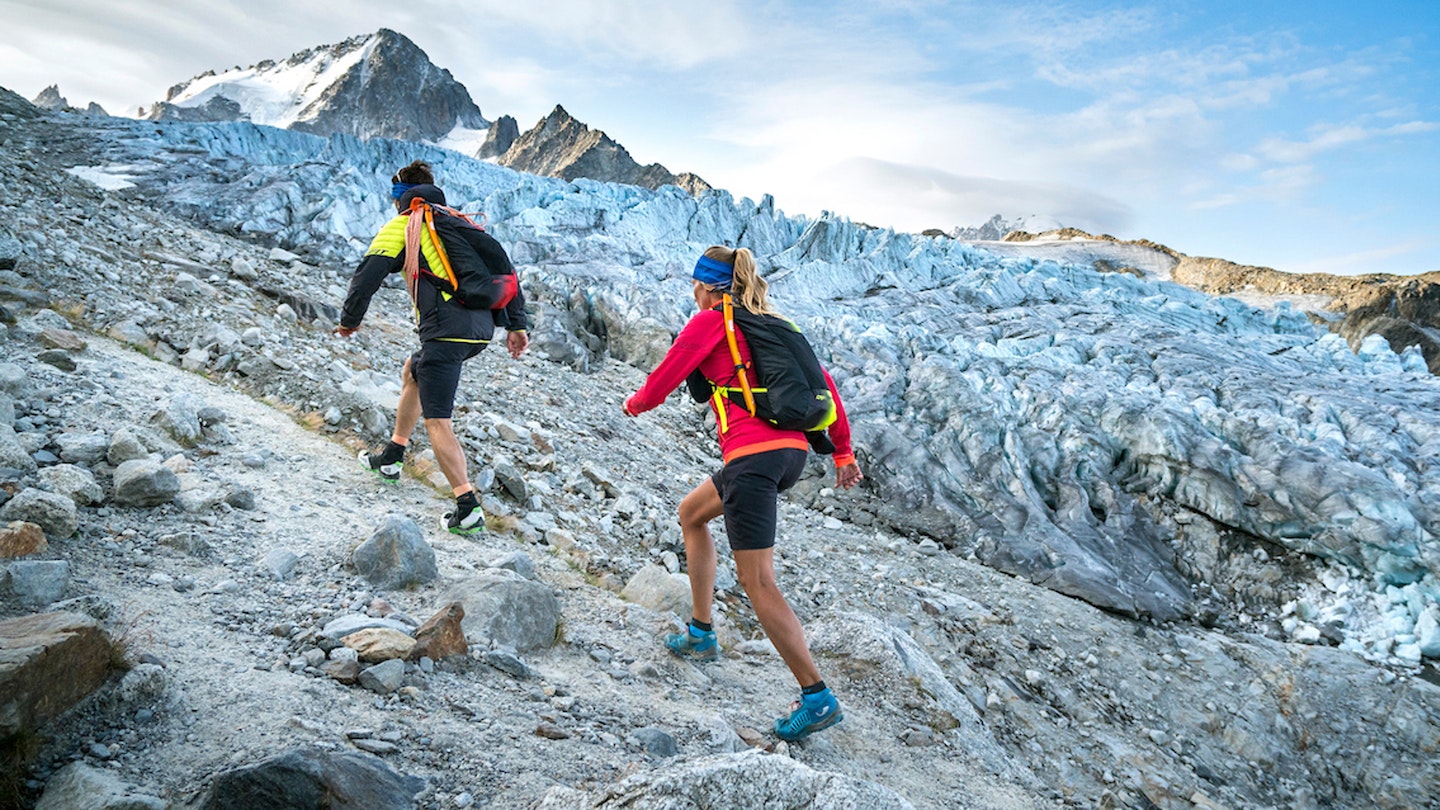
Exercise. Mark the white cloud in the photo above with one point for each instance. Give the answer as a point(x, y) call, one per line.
point(1333, 137)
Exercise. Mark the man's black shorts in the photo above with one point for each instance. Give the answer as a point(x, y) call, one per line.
point(436, 369)
point(748, 488)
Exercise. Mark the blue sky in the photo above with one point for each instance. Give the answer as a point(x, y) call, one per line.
point(1301, 136)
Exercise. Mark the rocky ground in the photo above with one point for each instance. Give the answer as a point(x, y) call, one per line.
point(211, 358)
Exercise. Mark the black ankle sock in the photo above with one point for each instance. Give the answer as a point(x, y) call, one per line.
point(392, 453)
point(818, 686)
point(467, 500)
point(704, 627)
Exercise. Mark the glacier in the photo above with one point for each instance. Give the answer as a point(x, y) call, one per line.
point(1155, 451)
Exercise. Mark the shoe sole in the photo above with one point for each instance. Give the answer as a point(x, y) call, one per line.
point(365, 461)
point(814, 727)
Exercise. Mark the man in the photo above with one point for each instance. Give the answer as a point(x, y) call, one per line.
point(449, 334)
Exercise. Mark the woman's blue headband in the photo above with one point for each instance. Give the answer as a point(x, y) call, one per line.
point(713, 272)
point(398, 189)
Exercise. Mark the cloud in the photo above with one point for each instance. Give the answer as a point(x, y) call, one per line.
point(1333, 137)
point(1375, 260)
point(911, 197)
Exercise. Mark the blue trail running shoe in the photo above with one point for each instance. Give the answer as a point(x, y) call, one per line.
point(694, 645)
point(809, 714)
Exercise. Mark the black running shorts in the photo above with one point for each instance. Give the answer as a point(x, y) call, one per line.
point(748, 488)
point(436, 369)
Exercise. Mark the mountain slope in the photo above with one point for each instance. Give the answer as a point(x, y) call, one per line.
point(379, 85)
point(1210, 529)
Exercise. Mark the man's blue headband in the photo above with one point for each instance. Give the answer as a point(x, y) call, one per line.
point(713, 273)
point(398, 189)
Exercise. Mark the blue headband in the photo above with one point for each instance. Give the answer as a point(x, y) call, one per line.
point(713, 273)
point(398, 190)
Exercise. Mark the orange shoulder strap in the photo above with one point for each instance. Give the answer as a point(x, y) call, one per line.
point(729, 311)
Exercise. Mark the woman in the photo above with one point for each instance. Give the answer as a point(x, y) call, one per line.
point(761, 461)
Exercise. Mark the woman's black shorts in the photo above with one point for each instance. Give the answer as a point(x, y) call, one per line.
point(436, 369)
point(748, 488)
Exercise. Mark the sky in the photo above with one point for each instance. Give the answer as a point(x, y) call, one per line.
point(1299, 136)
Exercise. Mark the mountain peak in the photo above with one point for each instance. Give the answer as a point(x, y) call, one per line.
point(369, 86)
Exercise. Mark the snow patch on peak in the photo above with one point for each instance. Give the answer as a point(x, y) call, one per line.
point(273, 94)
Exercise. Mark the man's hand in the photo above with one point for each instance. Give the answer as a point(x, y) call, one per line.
point(848, 476)
point(516, 342)
point(346, 331)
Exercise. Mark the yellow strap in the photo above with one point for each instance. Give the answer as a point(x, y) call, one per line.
point(721, 403)
point(729, 310)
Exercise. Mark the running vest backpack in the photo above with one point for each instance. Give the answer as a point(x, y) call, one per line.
point(472, 266)
point(789, 390)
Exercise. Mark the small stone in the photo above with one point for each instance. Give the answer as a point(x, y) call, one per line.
point(375, 746)
point(39, 582)
point(442, 635)
point(144, 482)
point(280, 562)
point(65, 339)
point(550, 731)
point(58, 358)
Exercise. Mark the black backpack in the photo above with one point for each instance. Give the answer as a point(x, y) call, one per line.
point(475, 269)
point(789, 390)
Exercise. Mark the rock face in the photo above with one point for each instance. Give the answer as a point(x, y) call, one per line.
point(560, 146)
point(50, 99)
point(48, 662)
point(379, 85)
point(308, 778)
point(503, 132)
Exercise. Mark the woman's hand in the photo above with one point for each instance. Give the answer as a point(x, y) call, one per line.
point(848, 475)
point(628, 409)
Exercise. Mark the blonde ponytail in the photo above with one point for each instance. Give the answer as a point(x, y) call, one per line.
point(748, 288)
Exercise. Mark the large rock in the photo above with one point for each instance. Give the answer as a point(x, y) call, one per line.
point(396, 555)
point(74, 482)
point(21, 539)
point(83, 448)
point(442, 635)
point(48, 662)
point(145, 482)
point(37, 583)
point(52, 512)
point(307, 779)
point(377, 644)
point(78, 786)
point(658, 589)
point(13, 454)
point(505, 608)
point(747, 779)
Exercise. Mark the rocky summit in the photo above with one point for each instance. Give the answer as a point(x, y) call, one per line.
point(560, 146)
point(1121, 543)
point(378, 85)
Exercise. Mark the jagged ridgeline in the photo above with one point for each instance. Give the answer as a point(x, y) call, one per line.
point(1133, 443)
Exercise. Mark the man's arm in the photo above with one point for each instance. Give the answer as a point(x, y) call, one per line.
point(381, 259)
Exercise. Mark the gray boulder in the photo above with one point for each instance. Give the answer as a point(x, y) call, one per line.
point(83, 448)
point(74, 482)
point(145, 482)
point(12, 453)
point(505, 608)
point(13, 380)
point(52, 512)
point(385, 677)
point(660, 590)
point(125, 447)
point(396, 555)
point(78, 786)
point(308, 778)
point(39, 582)
point(748, 779)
